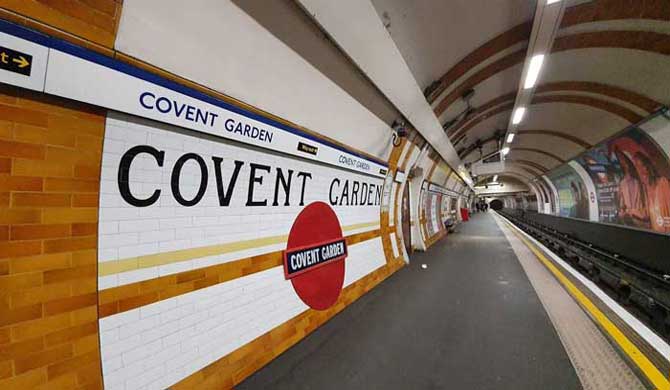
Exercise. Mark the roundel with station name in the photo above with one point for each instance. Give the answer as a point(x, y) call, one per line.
point(314, 256)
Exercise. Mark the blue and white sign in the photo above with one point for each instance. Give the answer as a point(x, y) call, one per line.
point(76, 73)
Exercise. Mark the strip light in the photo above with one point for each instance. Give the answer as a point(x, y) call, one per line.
point(510, 138)
point(533, 71)
point(552, 1)
point(518, 115)
point(495, 178)
point(504, 151)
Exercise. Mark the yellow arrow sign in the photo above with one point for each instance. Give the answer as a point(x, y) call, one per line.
point(21, 61)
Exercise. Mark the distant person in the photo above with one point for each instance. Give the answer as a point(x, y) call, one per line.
point(657, 189)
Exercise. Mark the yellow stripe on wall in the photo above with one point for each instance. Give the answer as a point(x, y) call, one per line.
point(644, 364)
point(134, 263)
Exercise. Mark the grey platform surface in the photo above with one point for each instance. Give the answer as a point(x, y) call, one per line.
point(471, 320)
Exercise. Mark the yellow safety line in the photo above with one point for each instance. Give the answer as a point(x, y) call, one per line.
point(646, 366)
point(157, 259)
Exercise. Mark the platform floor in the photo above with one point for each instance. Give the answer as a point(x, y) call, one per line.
point(471, 320)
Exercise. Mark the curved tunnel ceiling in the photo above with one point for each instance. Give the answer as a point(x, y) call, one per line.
point(605, 71)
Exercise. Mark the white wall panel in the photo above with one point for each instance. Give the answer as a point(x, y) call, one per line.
point(221, 47)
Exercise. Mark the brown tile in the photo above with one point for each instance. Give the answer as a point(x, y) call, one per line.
point(84, 229)
point(87, 257)
point(138, 301)
point(85, 200)
point(6, 129)
point(8, 216)
point(63, 382)
point(5, 165)
point(71, 156)
point(70, 365)
point(23, 115)
point(71, 334)
point(21, 150)
point(20, 183)
point(76, 125)
point(68, 274)
point(70, 244)
point(6, 369)
point(87, 142)
point(39, 294)
point(21, 314)
point(34, 232)
point(4, 232)
point(23, 281)
point(68, 215)
point(87, 171)
point(4, 199)
point(71, 185)
point(28, 380)
point(55, 138)
point(35, 168)
point(69, 304)
point(29, 332)
point(84, 315)
point(19, 248)
point(40, 263)
point(43, 358)
point(87, 344)
point(30, 134)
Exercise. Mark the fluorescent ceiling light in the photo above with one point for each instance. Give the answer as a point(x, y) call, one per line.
point(510, 137)
point(533, 70)
point(552, 1)
point(504, 151)
point(495, 178)
point(518, 115)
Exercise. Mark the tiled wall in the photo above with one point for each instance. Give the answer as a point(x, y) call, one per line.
point(157, 317)
point(163, 316)
point(49, 177)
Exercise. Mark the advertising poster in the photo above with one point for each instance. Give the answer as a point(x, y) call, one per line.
point(573, 198)
point(632, 179)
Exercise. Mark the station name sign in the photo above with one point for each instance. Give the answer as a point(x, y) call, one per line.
point(77, 73)
point(441, 190)
point(307, 258)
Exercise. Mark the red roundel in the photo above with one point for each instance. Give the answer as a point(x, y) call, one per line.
point(314, 256)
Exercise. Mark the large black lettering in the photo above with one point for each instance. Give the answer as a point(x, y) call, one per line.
point(370, 200)
point(305, 176)
point(364, 193)
point(176, 175)
point(253, 179)
point(354, 193)
point(225, 194)
point(345, 193)
point(378, 194)
point(330, 197)
point(286, 185)
point(124, 172)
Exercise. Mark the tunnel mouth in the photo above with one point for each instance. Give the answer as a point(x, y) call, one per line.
point(496, 204)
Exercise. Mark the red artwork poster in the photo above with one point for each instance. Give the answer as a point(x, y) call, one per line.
point(632, 179)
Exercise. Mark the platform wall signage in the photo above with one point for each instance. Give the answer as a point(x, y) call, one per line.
point(174, 202)
point(22, 63)
point(573, 198)
point(82, 75)
point(632, 179)
point(15, 61)
point(441, 190)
